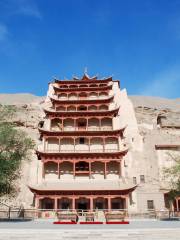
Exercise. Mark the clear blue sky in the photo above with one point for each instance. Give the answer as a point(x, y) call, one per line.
point(136, 41)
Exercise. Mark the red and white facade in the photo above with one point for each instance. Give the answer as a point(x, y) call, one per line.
point(82, 147)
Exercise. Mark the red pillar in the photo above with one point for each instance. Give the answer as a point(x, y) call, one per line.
point(44, 147)
point(104, 144)
point(58, 170)
point(89, 144)
point(63, 124)
point(120, 169)
point(59, 144)
point(74, 169)
point(87, 123)
point(43, 170)
point(55, 203)
point(37, 202)
point(89, 169)
point(125, 202)
point(126, 205)
point(109, 203)
point(73, 203)
point(74, 140)
point(50, 125)
point(177, 204)
point(91, 204)
point(105, 169)
point(75, 124)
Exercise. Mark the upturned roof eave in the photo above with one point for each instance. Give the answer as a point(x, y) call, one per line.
point(125, 190)
point(55, 80)
point(73, 154)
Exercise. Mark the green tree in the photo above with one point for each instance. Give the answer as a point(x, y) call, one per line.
point(15, 147)
point(172, 174)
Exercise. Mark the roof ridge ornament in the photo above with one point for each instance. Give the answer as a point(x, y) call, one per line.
point(88, 78)
point(75, 77)
point(86, 75)
point(86, 70)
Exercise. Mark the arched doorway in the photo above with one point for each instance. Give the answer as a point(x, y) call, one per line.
point(82, 166)
point(65, 203)
point(100, 203)
point(82, 204)
point(118, 203)
point(47, 203)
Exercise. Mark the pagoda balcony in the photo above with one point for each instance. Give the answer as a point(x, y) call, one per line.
point(76, 129)
point(80, 111)
point(86, 151)
point(76, 146)
point(64, 98)
point(80, 126)
point(91, 131)
point(94, 108)
point(84, 85)
point(101, 113)
point(94, 154)
point(75, 88)
point(82, 95)
point(82, 145)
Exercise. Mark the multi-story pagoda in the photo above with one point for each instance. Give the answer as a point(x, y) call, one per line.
point(83, 147)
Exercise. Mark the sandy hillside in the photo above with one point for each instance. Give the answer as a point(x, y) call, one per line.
point(145, 101)
point(19, 98)
point(156, 102)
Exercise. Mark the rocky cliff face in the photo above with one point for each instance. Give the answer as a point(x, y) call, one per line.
point(149, 108)
point(28, 113)
point(158, 118)
point(158, 122)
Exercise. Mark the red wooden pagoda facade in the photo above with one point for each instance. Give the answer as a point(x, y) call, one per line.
point(82, 148)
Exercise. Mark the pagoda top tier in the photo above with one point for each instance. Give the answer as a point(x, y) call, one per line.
point(85, 78)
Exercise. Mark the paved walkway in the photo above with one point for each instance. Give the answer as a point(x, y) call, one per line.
point(109, 234)
point(142, 230)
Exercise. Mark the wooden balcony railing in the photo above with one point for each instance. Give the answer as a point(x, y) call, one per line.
point(80, 151)
point(84, 110)
point(89, 86)
point(82, 98)
point(68, 129)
